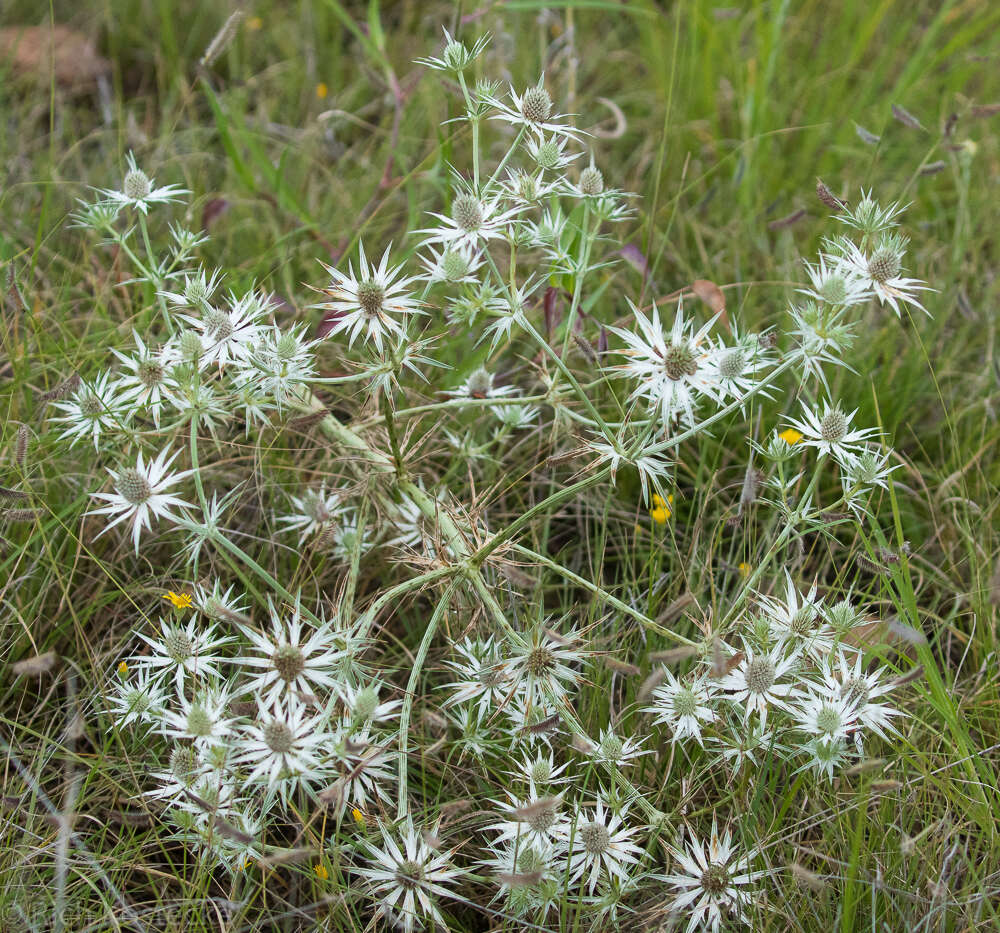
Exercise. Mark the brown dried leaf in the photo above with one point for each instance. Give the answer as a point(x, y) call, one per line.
point(711, 294)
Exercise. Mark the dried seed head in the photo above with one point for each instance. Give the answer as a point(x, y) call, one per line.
point(591, 181)
point(137, 185)
point(278, 737)
point(133, 486)
point(715, 878)
point(371, 295)
point(595, 838)
point(536, 105)
point(760, 675)
point(679, 361)
point(467, 213)
point(288, 661)
point(833, 426)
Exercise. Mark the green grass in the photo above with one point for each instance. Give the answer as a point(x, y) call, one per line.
point(729, 118)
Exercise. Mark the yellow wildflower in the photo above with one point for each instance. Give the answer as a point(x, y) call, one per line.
point(321, 872)
point(122, 668)
point(790, 436)
point(744, 569)
point(359, 817)
point(322, 90)
point(255, 24)
point(661, 510)
point(179, 600)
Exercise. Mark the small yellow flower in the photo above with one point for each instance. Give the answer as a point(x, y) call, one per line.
point(255, 24)
point(322, 90)
point(661, 510)
point(790, 436)
point(321, 872)
point(359, 817)
point(744, 569)
point(179, 600)
point(122, 668)
point(245, 864)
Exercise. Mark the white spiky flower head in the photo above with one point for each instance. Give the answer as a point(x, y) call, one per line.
point(673, 368)
point(683, 705)
point(95, 408)
point(882, 271)
point(314, 511)
point(602, 846)
point(184, 650)
point(231, 334)
point(141, 494)
point(201, 718)
point(866, 690)
point(292, 659)
point(197, 290)
point(149, 380)
point(532, 111)
point(799, 620)
point(474, 221)
point(869, 217)
point(138, 696)
point(456, 56)
point(543, 666)
point(138, 189)
point(483, 676)
point(713, 879)
point(829, 430)
point(375, 302)
point(407, 876)
point(835, 282)
point(281, 747)
point(757, 681)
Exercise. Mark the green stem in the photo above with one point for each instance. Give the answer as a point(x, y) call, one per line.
point(402, 804)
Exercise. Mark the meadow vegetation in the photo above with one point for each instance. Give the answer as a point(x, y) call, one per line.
point(527, 466)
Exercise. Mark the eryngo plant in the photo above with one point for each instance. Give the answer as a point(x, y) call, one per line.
point(257, 712)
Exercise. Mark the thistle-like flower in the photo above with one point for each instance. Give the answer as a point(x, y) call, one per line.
point(312, 512)
point(407, 876)
point(882, 271)
point(756, 681)
point(683, 706)
point(183, 650)
point(141, 493)
point(602, 846)
point(149, 380)
point(138, 190)
point(281, 746)
point(713, 879)
point(673, 370)
point(293, 658)
point(95, 407)
point(474, 221)
point(375, 302)
point(829, 431)
point(532, 110)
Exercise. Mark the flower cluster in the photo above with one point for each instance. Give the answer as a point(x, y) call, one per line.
point(260, 703)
